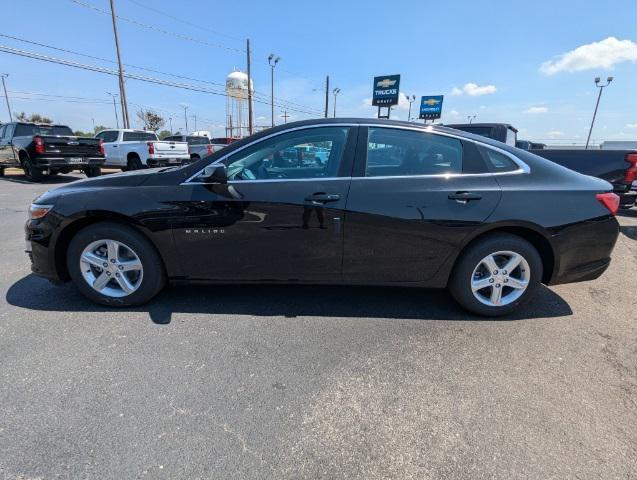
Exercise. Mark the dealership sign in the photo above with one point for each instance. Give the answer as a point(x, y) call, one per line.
point(386, 90)
point(431, 107)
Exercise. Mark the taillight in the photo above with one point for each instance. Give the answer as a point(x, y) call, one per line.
point(151, 148)
point(39, 144)
point(101, 147)
point(609, 200)
point(210, 149)
point(631, 172)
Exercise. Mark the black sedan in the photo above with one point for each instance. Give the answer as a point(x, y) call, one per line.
point(347, 201)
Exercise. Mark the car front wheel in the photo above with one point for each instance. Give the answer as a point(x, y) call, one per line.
point(496, 274)
point(115, 265)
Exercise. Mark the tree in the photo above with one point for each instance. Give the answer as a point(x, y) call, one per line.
point(99, 128)
point(163, 134)
point(151, 120)
point(34, 117)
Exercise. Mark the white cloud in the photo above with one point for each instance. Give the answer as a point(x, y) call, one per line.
point(474, 90)
point(483, 107)
point(536, 110)
point(631, 125)
point(555, 133)
point(604, 54)
point(454, 113)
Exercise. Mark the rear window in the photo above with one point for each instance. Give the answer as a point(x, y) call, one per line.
point(498, 162)
point(139, 136)
point(198, 140)
point(24, 130)
point(173, 139)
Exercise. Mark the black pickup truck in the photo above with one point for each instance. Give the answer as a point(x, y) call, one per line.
point(619, 167)
point(38, 148)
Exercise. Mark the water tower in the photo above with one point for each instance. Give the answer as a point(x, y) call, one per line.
point(237, 104)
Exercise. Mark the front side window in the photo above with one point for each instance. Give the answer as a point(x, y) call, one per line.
point(139, 136)
point(2, 132)
point(108, 136)
point(393, 152)
point(307, 153)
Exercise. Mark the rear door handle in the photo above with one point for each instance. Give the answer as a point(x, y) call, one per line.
point(464, 197)
point(321, 198)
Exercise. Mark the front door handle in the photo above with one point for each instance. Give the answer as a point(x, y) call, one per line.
point(322, 198)
point(464, 197)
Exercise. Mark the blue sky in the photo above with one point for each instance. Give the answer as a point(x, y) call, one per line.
point(488, 58)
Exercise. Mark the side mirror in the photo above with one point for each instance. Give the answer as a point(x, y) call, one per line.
point(216, 173)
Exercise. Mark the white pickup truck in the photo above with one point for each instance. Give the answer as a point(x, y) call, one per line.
point(130, 149)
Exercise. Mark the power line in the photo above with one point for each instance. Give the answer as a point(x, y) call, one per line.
point(265, 97)
point(99, 69)
point(160, 30)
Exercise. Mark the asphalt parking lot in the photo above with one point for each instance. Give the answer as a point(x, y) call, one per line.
point(313, 382)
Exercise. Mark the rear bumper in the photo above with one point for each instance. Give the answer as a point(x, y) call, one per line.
point(166, 162)
point(69, 162)
point(627, 199)
point(583, 250)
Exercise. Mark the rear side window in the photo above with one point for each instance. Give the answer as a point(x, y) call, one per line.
point(498, 162)
point(393, 152)
point(139, 136)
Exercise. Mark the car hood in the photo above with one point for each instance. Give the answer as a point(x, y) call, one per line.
point(117, 180)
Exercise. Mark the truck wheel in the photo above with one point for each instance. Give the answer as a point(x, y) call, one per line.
point(114, 265)
point(134, 163)
point(33, 173)
point(92, 171)
point(1, 172)
point(53, 173)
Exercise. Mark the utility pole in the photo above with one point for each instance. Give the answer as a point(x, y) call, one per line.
point(272, 60)
point(601, 89)
point(195, 117)
point(185, 107)
point(6, 96)
point(336, 91)
point(327, 95)
point(170, 121)
point(122, 87)
point(114, 107)
point(285, 116)
point(250, 112)
point(410, 100)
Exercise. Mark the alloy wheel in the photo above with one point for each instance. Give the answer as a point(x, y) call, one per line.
point(111, 268)
point(500, 278)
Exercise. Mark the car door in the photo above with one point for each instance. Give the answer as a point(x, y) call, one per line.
point(7, 154)
point(111, 148)
point(412, 201)
point(273, 219)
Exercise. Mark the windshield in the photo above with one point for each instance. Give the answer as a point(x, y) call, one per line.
point(25, 130)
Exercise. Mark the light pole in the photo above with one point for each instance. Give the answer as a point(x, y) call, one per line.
point(6, 97)
point(195, 119)
point(410, 100)
point(601, 89)
point(471, 118)
point(185, 107)
point(114, 107)
point(170, 121)
point(272, 60)
point(336, 91)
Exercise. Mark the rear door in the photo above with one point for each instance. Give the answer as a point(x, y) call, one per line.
point(273, 220)
point(415, 196)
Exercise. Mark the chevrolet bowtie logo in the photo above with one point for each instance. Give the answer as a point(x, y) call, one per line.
point(386, 83)
point(431, 102)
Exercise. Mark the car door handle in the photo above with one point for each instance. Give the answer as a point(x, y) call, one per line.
point(464, 197)
point(321, 198)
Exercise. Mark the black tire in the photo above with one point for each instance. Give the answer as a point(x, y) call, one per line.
point(53, 173)
point(460, 282)
point(134, 163)
point(1, 172)
point(92, 171)
point(152, 281)
point(33, 173)
point(193, 159)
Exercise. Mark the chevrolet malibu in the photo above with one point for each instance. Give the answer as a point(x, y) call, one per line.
point(384, 203)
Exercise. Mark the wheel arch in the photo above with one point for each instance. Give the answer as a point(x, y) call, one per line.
point(534, 234)
point(65, 236)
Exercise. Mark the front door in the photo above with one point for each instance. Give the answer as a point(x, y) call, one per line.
point(7, 154)
point(279, 217)
point(411, 205)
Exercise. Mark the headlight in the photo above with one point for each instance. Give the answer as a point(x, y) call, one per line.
point(37, 211)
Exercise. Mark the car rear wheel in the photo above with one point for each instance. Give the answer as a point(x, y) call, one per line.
point(92, 171)
point(114, 265)
point(496, 274)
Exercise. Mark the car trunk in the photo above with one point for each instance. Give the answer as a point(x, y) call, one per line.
point(170, 149)
point(67, 146)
